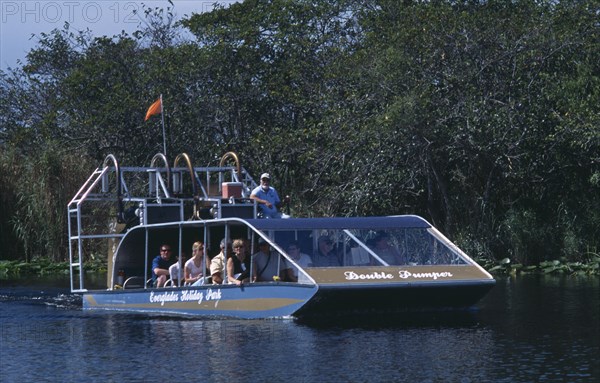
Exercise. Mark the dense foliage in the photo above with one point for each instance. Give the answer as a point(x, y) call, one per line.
point(482, 116)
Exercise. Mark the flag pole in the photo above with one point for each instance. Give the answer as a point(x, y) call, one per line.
point(162, 114)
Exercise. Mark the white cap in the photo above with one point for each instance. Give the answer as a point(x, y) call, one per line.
point(265, 175)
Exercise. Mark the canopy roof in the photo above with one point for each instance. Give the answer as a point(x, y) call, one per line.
point(375, 223)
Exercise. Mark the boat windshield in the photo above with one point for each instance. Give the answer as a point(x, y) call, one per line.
point(368, 247)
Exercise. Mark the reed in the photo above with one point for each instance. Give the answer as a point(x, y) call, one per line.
point(35, 193)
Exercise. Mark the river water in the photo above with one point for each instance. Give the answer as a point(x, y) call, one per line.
point(527, 329)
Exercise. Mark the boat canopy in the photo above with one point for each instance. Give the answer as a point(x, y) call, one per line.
point(363, 241)
point(375, 223)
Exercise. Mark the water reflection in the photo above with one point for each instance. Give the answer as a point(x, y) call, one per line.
point(546, 327)
point(399, 320)
point(526, 329)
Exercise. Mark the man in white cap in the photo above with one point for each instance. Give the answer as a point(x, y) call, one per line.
point(267, 198)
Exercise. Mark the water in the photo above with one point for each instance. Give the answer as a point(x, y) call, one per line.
point(528, 329)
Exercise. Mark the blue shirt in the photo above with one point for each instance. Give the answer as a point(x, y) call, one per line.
point(271, 196)
point(159, 262)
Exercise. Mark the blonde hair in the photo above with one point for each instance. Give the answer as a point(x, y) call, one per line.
point(197, 245)
point(238, 243)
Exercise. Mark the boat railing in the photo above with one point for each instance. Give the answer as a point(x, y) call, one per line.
point(151, 194)
point(157, 180)
point(74, 209)
point(282, 254)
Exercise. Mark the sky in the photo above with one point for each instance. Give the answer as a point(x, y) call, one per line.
point(20, 19)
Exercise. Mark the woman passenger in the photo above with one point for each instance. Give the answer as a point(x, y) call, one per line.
point(238, 266)
point(194, 270)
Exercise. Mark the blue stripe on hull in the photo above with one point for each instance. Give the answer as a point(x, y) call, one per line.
point(250, 301)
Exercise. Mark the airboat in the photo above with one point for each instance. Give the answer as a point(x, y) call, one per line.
point(127, 213)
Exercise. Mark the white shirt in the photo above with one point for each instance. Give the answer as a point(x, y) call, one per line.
point(303, 261)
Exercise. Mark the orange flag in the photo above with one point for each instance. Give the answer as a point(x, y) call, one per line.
point(155, 108)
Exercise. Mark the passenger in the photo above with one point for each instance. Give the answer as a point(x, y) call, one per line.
point(238, 266)
point(325, 256)
point(342, 252)
point(160, 266)
point(174, 270)
point(385, 251)
point(217, 264)
point(269, 265)
point(195, 267)
point(267, 198)
point(301, 259)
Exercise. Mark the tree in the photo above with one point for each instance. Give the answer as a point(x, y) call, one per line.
point(479, 115)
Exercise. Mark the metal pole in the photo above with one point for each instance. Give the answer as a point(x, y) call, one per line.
point(163, 126)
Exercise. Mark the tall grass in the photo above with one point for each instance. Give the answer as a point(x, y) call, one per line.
point(35, 193)
point(10, 247)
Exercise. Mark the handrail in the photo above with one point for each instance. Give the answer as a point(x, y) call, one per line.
point(120, 214)
point(93, 178)
point(235, 158)
point(160, 156)
point(196, 214)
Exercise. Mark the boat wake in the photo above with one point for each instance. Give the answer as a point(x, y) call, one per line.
point(53, 297)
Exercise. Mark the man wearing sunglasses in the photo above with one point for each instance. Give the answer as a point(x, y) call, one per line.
point(160, 266)
point(325, 256)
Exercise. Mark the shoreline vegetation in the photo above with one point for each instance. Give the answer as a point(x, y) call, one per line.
point(480, 116)
point(46, 266)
